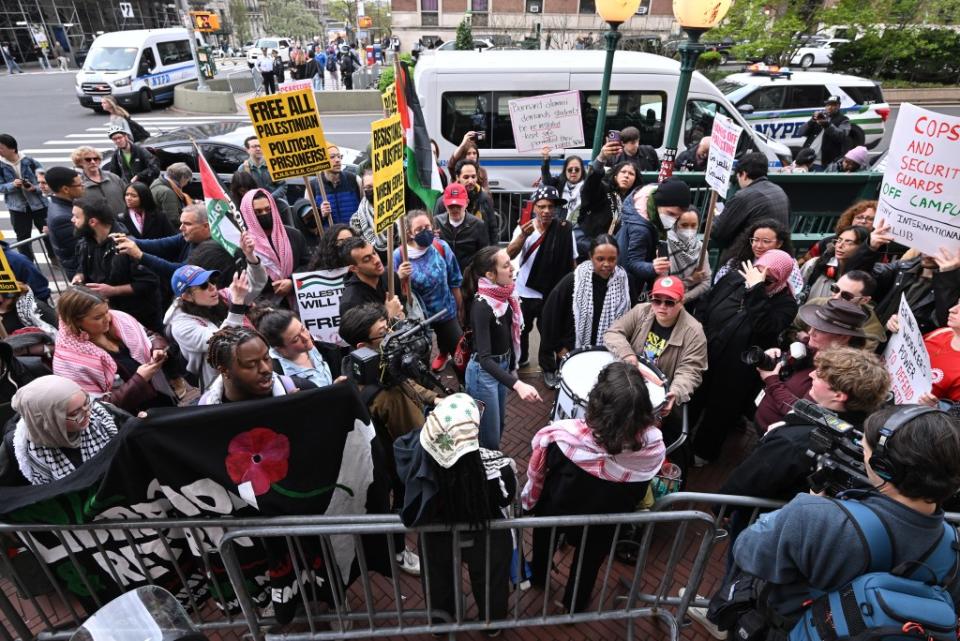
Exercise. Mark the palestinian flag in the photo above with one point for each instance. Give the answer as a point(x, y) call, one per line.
point(423, 176)
point(225, 221)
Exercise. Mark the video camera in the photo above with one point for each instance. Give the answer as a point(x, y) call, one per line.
point(402, 355)
point(793, 358)
point(836, 448)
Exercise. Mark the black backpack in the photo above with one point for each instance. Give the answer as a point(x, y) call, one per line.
point(331, 63)
point(856, 138)
point(346, 65)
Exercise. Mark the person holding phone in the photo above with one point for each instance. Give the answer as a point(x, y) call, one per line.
point(468, 150)
point(624, 146)
point(21, 192)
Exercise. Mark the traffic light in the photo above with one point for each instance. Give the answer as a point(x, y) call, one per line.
point(364, 22)
point(205, 21)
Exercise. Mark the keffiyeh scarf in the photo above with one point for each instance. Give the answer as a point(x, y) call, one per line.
point(615, 304)
point(500, 299)
point(76, 357)
point(275, 250)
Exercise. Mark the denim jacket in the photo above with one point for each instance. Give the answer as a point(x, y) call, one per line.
point(18, 199)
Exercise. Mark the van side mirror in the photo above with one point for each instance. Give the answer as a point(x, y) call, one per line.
point(746, 110)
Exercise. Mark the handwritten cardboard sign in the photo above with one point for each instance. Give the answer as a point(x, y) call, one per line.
point(723, 147)
point(920, 194)
point(552, 120)
point(907, 360)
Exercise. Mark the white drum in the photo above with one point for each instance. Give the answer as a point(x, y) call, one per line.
point(578, 374)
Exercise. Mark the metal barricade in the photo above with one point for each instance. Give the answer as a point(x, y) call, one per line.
point(49, 265)
point(382, 606)
point(245, 81)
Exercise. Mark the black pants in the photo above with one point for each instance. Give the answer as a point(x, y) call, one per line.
point(532, 309)
point(347, 80)
point(269, 82)
point(436, 550)
point(448, 335)
point(23, 223)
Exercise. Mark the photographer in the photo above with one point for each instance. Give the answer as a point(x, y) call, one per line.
point(835, 127)
point(912, 460)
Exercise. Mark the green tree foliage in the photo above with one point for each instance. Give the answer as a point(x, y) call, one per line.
point(709, 60)
point(910, 53)
point(387, 75)
point(290, 18)
point(240, 20)
point(464, 36)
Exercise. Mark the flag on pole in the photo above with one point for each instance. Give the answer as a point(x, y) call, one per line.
point(225, 221)
point(423, 175)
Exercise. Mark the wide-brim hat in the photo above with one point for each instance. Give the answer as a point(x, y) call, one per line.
point(836, 316)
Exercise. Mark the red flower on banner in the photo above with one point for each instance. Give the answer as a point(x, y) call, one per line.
point(258, 456)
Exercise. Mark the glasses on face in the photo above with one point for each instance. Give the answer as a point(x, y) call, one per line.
point(763, 241)
point(78, 415)
point(665, 302)
point(263, 211)
point(573, 170)
point(845, 242)
point(847, 296)
point(91, 159)
point(207, 285)
point(863, 218)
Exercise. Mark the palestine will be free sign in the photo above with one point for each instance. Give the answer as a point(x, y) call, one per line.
point(388, 186)
point(290, 133)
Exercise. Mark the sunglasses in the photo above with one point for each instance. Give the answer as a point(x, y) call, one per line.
point(666, 302)
point(847, 296)
point(91, 159)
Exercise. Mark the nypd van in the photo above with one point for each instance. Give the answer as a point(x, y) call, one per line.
point(463, 91)
point(138, 68)
point(777, 103)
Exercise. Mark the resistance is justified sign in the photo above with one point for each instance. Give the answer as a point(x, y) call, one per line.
point(387, 159)
point(290, 133)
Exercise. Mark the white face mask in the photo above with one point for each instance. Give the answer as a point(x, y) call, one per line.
point(686, 235)
point(668, 221)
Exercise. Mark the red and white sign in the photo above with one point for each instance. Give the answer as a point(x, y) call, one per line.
point(723, 147)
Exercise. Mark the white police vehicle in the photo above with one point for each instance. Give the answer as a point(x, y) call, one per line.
point(777, 103)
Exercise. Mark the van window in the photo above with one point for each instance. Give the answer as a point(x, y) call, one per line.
point(765, 99)
point(284, 44)
point(806, 97)
point(148, 62)
point(175, 52)
point(111, 58)
point(699, 123)
point(640, 109)
point(864, 95)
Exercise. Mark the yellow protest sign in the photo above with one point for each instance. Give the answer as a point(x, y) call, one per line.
point(290, 133)
point(8, 282)
point(387, 159)
point(389, 98)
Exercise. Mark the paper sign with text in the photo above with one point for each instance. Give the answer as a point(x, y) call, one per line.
point(907, 360)
point(723, 147)
point(920, 194)
point(8, 282)
point(290, 133)
point(389, 98)
point(318, 299)
point(551, 120)
point(294, 85)
point(387, 160)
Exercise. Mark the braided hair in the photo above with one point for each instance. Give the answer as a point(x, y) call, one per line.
point(222, 347)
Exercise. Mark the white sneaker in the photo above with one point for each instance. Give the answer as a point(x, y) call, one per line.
point(409, 562)
point(700, 616)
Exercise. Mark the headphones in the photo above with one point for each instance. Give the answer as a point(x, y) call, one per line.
point(884, 466)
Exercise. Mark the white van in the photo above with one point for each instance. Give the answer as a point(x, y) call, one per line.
point(463, 91)
point(280, 45)
point(138, 68)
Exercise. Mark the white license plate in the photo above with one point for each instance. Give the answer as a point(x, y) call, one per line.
point(98, 98)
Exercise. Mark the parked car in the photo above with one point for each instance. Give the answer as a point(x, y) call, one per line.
point(723, 47)
point(281, 45)
point(478, 45)
point(817, 54)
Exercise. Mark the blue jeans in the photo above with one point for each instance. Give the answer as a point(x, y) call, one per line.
point(488, 390)
point(318, 82)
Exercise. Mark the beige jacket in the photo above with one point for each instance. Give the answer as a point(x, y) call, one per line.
point(683, 361)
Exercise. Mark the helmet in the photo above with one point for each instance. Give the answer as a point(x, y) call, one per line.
point(116, 128)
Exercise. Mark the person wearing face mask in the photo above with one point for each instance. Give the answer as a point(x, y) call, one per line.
point(464, 232)
point(282, 249)
point(647, 217)
point(684, 245)
point(362, 220)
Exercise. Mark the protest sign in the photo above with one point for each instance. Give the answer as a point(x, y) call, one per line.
point(290, 133)
point(318, 299)
point(387, 159)
point(907, 360)
point(8, 282)
point(294, 85)
point(920, 194)
point(389, 98)
point(723, 146)
point(551, 120)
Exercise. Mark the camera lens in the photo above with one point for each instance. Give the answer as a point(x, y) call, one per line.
point(756, 357)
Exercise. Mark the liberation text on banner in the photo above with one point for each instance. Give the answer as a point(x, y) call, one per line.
point(318, 299)
point(723, 146)
point(387, 158)
point(920, 195)
point(552, 120)
point(290, 133)
point(907, 360)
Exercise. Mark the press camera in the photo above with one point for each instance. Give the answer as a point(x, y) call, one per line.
point(836, 449)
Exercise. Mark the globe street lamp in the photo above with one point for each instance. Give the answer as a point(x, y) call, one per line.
point(615, 13)
point(696, 17)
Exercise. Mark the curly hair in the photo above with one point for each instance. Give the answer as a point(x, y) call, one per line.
point(845, 221)
point(619, 409)
point(742, 250)
point(857, 373)
point(328, 255)
point(222, 347)
point(925, 451)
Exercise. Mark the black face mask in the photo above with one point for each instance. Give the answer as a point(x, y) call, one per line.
point(368, 194)
point(266, 221)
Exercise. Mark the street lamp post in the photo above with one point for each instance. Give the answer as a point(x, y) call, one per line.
point(696, 17)
point(614, 13)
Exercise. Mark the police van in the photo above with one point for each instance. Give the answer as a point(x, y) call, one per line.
point(138, 68)
point(777, 103)
point(463, 91)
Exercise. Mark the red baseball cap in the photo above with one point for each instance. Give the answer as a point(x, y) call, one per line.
point(455, 194)
point(669, 286)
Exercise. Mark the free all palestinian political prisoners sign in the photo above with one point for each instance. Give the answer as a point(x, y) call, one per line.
point(907, 360)
point(723, 146)
point(290, 133)
point(920, 195)
point(551, 120)
point(387, 158)
point(318, 301)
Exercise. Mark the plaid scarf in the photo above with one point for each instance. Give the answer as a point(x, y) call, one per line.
point(76, 357)
point(275, 250)
point(499, 298)
point(575, 439)
point(41, 465)
point(615, 304)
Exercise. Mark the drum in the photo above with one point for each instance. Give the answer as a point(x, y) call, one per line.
point(578, 374)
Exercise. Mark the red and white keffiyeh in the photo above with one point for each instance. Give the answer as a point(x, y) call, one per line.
point(76, 357)
point(275, 251)
point(500, 298)
point(575, 440)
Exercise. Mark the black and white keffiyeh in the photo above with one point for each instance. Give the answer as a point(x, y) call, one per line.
point(615, 303)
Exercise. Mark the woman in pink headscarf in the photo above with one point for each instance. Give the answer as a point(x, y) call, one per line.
point(281, 248)
point(746, 308)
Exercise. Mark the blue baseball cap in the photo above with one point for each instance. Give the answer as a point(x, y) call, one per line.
point(190, 276)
